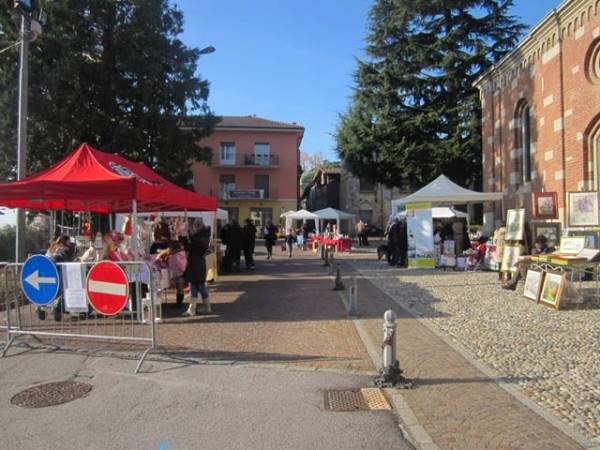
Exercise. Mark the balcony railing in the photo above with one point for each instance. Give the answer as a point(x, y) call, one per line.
point(250, 159)
point(246, 194)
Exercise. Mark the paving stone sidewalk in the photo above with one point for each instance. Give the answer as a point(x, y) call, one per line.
point(458, 405)
point(285, 312)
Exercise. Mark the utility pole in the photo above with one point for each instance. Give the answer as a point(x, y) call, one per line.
point(22, 132)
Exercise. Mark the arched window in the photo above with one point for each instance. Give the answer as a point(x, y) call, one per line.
point(595, 141)
point(524, 141)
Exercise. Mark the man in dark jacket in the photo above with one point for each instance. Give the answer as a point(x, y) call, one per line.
point(249, 240)
point(394, 243)
point(234, 244)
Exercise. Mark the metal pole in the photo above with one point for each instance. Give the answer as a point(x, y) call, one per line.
point(22, 133)
point(134, 241)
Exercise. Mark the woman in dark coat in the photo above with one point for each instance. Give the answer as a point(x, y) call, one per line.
point(270, 235)
point(248, 242)
point(195, 272)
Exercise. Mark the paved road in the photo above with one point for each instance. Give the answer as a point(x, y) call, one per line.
point(170, 406)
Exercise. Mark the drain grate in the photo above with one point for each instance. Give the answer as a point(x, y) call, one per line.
point(50, 394)
point(375, 399)
point(369, 399)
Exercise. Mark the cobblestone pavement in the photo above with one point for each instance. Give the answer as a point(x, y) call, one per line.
point(552, 356)
point(285, 312)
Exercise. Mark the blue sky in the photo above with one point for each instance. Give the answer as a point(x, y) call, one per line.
point(290, 60)
point(287, 60)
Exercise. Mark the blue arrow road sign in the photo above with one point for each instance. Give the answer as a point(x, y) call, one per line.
point(39, 280)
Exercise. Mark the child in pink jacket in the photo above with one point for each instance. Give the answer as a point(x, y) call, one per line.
point(177, 266)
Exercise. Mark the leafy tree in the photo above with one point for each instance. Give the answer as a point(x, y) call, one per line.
point(414, 112)
point(114, 74)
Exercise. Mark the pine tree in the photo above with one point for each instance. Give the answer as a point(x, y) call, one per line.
point(414, 112)
point(114, 74)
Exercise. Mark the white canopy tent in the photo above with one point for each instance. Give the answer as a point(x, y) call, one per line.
point(334, 214)
point(443, 212)
point(285, 214)
point(442, 191)
point(300, 215)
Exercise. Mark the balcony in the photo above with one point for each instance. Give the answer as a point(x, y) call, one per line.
point(246, 194)
point(248, 160)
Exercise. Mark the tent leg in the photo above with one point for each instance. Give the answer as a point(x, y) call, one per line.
point(134, 241)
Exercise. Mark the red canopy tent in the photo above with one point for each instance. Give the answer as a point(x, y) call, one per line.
point(91, 180)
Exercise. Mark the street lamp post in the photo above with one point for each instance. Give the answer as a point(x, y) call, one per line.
point(22, 132)
point(30, 29)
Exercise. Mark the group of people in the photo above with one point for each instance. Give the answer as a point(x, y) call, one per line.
point(238, 240)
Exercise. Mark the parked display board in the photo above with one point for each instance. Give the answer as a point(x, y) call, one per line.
point(420, 235)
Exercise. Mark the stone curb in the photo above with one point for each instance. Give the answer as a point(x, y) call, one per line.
point(492, 374)
point(410, 427)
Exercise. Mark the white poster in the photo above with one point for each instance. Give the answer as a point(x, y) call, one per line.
point(73, 289)
point(419, 225)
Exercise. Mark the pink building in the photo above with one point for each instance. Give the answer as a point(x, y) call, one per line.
point(255, 168)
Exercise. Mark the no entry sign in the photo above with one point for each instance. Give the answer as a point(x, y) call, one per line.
point(107, 288)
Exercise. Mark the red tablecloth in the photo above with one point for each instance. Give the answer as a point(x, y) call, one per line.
point(340, 244)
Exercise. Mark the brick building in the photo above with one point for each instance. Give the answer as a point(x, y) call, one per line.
point(255, 169)
point(541, 112)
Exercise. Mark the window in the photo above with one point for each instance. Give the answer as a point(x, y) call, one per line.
point(260, 216)
point(523, 164)
point(596, 152)
point(262, 182)
point(592, 62)
point(262, 154)
point(233, 212)
point(526, 144)
point(227, 153)
point(366, 185)
point(227, 183)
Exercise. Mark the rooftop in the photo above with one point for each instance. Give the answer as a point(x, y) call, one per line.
point(256, 122)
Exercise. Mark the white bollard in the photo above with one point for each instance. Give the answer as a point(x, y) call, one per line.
point(353, 297)
point(389, 340)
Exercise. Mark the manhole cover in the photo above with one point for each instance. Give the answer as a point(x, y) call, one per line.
point(50, 394)
point(369, 399)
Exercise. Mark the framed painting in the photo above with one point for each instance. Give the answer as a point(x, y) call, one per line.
point(571, 245)
point(533, 284)
point(545, 205)
point(553, 288)
point(583, 209)
point(509, 257)
point(515, 224)
point(550, 230)
point(590, 236)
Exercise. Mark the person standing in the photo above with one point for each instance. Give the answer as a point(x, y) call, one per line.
point(177, 265)
point(270, 235)
point(360, 229)
point(394, 243)
point(195, 272)
point(249, 241)
point(403, 243)
point(366, 234)
point(234, 245)
point(290, 238)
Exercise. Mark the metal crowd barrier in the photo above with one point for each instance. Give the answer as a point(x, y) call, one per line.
point(134, 324)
